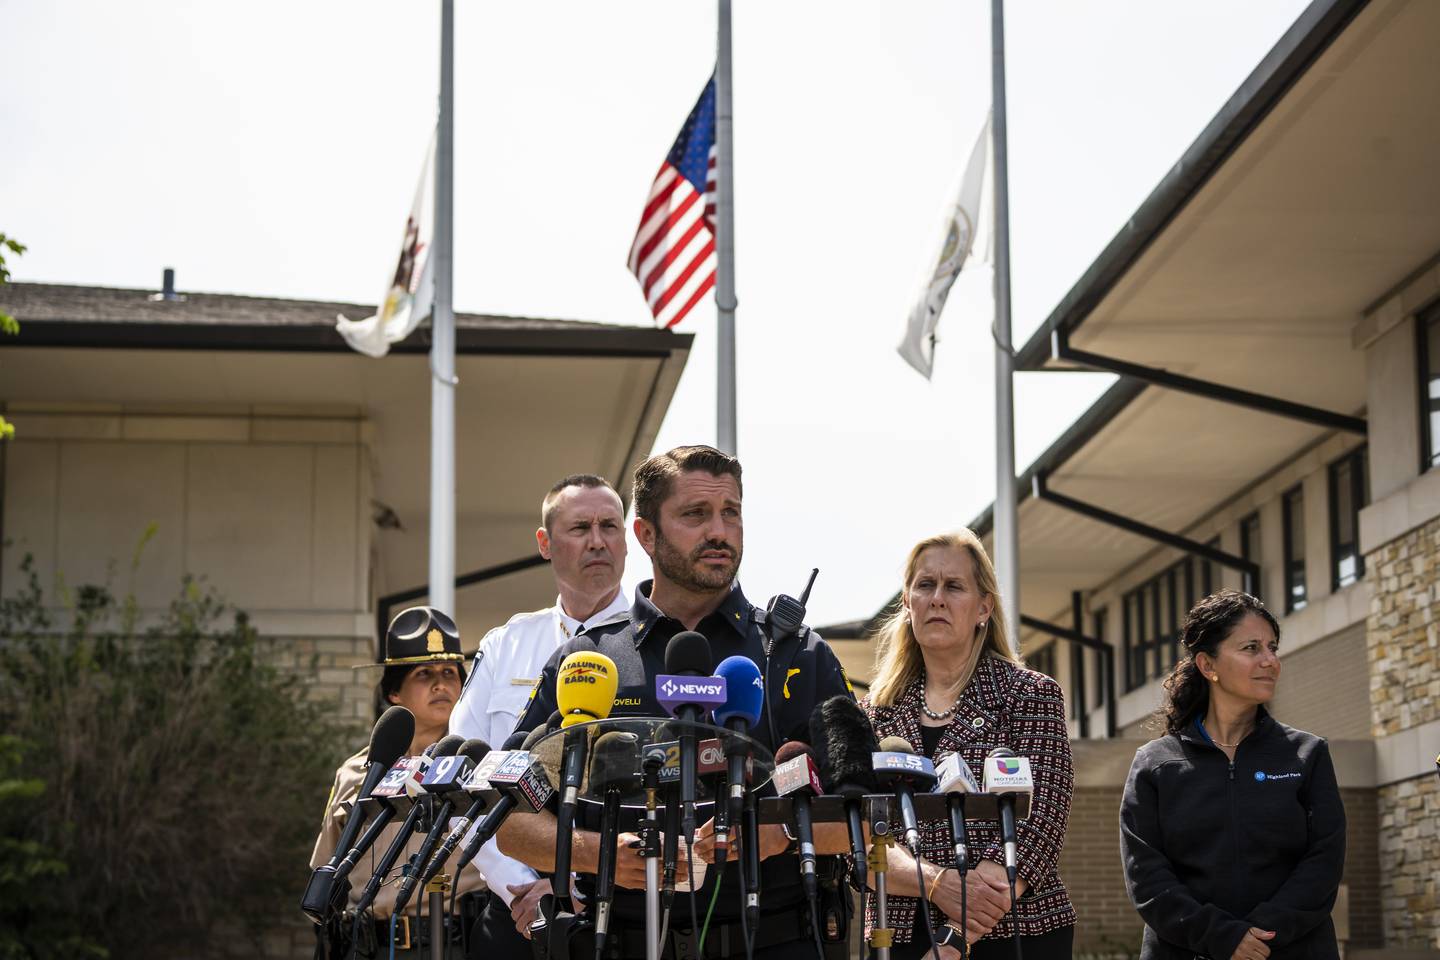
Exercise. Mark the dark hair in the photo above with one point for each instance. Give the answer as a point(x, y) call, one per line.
point(588, 480)
point(1208, 623)
point(394, 678)
point(655, 478)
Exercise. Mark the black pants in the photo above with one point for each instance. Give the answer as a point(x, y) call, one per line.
point(1055, 945)
point(494, 936)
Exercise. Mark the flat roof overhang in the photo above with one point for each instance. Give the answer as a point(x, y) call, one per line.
point(534, 403)
point(1308, 199)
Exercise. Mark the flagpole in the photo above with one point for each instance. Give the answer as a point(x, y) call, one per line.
point(724, 243)
point(1007, 528)
point(442, 332)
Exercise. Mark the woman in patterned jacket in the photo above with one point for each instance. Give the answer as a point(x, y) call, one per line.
point(948, 682)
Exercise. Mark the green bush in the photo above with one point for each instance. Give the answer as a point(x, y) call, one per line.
point(173, 779)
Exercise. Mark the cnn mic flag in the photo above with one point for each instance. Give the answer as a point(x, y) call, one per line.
point(961, 222)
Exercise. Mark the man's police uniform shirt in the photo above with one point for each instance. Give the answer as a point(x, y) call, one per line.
point(803, 672)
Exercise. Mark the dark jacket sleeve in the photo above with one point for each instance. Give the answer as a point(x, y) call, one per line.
point(1165, 904)
point(1304, 901)
point(1038, 731)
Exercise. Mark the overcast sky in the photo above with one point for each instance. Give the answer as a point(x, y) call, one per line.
point(272, 148)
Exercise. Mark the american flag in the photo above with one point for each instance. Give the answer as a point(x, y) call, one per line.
point(673, 255)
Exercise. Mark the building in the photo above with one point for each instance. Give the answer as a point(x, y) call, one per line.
point(262, 453)
point(1273, 312)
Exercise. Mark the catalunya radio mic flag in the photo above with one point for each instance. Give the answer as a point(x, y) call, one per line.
point(962, 219)
point(409, 294)
point(673, 254)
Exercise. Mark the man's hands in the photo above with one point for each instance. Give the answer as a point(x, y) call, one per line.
point(526, 905)
point(772, 841)
point(1253, 946)
point(629, 865)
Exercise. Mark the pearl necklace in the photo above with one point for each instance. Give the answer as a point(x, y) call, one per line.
point(943, 715)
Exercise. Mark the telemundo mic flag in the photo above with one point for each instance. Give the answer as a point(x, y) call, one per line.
point(673, 254)
point(411, 290)
point(918, 346)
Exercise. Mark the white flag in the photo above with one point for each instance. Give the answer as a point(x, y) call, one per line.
point(918, 346)
point(409, 294)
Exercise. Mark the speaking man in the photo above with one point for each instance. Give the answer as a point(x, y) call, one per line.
point(582, 534)
point(688, 519)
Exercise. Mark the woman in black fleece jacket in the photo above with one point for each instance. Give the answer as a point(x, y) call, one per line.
point(1232, 830)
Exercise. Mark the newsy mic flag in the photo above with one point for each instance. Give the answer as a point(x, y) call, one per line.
point(918, 346)
point(408, 297)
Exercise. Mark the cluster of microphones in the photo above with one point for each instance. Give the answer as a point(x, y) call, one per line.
point(698, 761)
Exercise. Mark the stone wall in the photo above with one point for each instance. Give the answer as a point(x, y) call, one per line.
point(1403, 641)
point(1403, 635)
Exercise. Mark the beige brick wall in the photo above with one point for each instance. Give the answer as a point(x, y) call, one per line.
point(326, 664)
point(1090, 866)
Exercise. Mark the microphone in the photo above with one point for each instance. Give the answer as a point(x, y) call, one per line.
point(796, 777)
point(744, 698)
point(844, 742)
point(481, 799)
point(442, 785)
point(955, 779)
point(685, 697)
point(538, 785)
point(445, 781)
point(1008, 776)
point(903, 770)
point(615, 769)
point(389, 739)
point(444, 749)
point(584, 690)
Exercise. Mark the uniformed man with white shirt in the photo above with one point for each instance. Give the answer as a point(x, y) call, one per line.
point(582, 534)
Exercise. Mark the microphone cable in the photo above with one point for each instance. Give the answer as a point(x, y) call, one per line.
point(925, 908)
point(1015, 922)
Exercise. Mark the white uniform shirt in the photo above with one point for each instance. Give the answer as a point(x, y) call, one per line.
point(507, 667)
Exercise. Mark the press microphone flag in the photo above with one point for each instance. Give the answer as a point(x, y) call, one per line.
point(796, 777)
point(1009, 776)
point(584, 690)
point(898, 765)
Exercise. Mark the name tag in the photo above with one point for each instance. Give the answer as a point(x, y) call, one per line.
point(524, 681)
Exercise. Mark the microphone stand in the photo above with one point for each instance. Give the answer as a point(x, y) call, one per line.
point(959, 835)
point(650, 850)
point(881, 936)
point(437, 888)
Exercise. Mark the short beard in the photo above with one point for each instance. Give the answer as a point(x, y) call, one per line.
point(687, 572)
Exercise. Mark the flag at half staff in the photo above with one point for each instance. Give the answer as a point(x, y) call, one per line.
point(673, 255)
point(411, 290)
point(961, 220)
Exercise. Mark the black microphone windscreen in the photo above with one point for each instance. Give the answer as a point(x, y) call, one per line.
point(516, 740)
point(844, 741)
point(391, 736)
point(791, 749)
point(474, 749)
point(688, 654)
point(448, 746)
point(896, 745)
point(615, 759)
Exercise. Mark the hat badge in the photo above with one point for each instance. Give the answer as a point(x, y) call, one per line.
point(434, 641)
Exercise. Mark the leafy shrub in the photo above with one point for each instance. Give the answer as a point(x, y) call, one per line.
point(173, 777)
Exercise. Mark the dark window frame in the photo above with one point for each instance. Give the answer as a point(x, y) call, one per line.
point(1429, 445)
point(1356, 461)
point(1253, 551)
point(1097, 627)
point(1292, 603)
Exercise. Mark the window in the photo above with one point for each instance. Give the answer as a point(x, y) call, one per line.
point(1210, 572)
point(1428, 349)
point(1043, 660)
point(1097, 631)
point(1250, 550)
point(1292, 507)
point(1153, 614)
point(1347, 495)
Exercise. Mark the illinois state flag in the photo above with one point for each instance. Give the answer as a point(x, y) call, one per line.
point(961, 220)
point(408, 296)
point(673, 255)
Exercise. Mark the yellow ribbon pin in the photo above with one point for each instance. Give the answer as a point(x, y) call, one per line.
point(788, 674)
